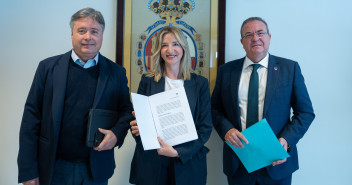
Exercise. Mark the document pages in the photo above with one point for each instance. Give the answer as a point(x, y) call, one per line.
point(166, 115)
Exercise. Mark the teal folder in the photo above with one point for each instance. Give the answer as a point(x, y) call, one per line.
point(263, 148)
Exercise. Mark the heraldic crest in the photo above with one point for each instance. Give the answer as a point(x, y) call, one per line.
point(170, 12)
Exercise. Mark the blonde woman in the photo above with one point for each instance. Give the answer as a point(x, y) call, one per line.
point(185, 163)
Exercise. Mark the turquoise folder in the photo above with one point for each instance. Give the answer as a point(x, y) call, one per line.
point(263, 148)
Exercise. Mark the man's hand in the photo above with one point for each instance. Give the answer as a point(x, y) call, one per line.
point(284, 143)
point(234, 137)
point(134, 126)
point(32, 182)
point(166, 150)
point(108, 142)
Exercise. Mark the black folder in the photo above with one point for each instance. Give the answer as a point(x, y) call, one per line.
point(99, 118)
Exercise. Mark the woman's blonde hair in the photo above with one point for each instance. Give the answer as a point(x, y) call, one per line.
point(158, 63)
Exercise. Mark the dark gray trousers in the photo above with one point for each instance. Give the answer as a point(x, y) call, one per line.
point(73, 173)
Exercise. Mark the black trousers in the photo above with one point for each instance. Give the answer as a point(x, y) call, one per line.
point(73, 173)
point(259, 177)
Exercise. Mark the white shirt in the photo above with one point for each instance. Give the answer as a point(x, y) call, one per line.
point(172, 84)
point(244, 84)
point(85, 65)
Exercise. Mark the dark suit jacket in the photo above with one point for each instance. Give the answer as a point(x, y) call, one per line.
point(43, 111)
point(285, 90)
point(190, 167)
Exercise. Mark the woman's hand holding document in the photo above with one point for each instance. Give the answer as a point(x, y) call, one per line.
point(134, 126)
point(166, 115)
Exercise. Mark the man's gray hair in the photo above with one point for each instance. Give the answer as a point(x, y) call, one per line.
point(254, 19)
point(88, 13)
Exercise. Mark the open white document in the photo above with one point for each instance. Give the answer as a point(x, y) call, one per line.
point(166, 115)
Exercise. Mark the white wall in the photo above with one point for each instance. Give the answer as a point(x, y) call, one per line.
point(315, 33)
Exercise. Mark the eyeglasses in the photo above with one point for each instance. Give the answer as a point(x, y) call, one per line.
point(251, 35)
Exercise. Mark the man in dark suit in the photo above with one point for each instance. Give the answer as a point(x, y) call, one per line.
point(239, 100)
point(53, 130)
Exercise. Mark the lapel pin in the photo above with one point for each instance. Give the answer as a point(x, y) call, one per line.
point(275, 68)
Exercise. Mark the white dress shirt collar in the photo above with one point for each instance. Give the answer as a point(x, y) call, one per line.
point(88, 64)
point(264, 62)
